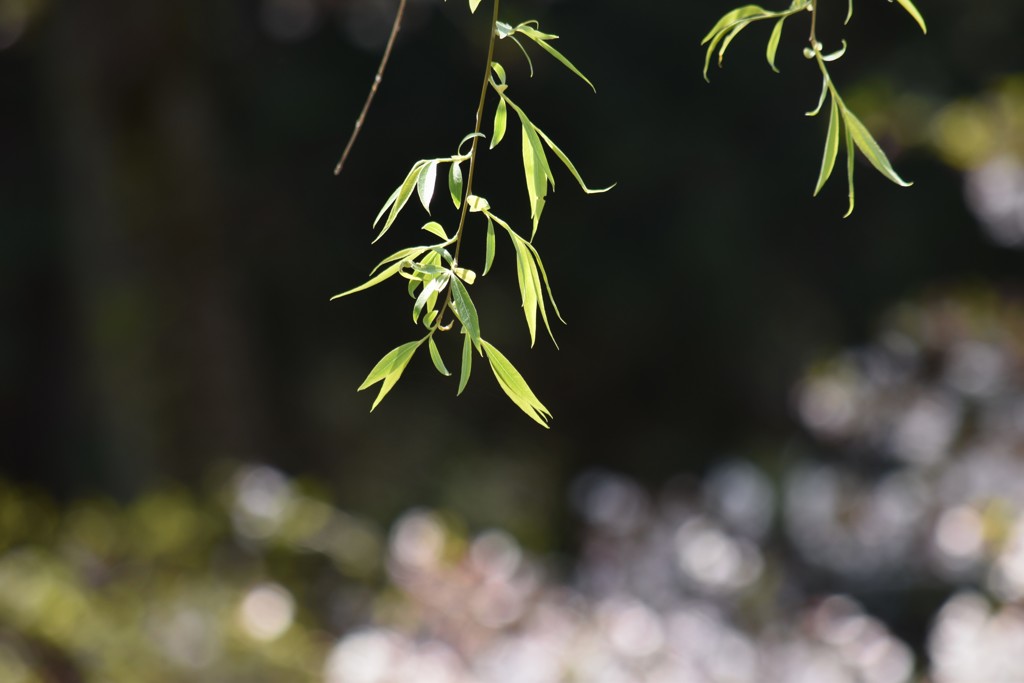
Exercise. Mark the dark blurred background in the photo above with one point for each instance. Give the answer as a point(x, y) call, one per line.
point(171, 232)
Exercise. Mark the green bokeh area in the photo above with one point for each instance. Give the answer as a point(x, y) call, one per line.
point(786, 446)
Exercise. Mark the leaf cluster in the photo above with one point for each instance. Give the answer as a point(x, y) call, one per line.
point(436, 282)
point(842, 121)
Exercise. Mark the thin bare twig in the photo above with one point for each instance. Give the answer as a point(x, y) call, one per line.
point(373, 88)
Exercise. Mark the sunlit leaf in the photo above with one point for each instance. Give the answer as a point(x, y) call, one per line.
point(455, 184)
point(404, 192)
point(401, 255)
point(498, 69)
point(465, 310)
point(435, 355)
point(542, 40)
point(469, 137)
point(431, 288)
point(473, 4)
point(569, 165)
point(500, 121)
point(390, 369)
point(870, 149)
point(726, 24)
point(489, 256)
point(730, 18)
point(821, 99)
point(833, 56)
point(477, 203)
point(831, 147)
point(380, 277)
point(773, 43)
point(912, 10)
point(730, 37)
point(515, 387)
point(435, 228)
point(547, 286)
point(525, 53)
point(467, 364)
point(849, 13)
point(503, 31)
point(466, 275)
point(425, 184)
point(527, 277)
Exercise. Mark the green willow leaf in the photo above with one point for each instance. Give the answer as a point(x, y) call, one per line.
point(527, 276)
point(569, 165)
point(503, 31)
point(465, 274)
point(870, 149)
point(831, 147)
point(773, 43)
point(536, 182)
point(473, 4)
point(500, 121)
point(455, 184)
point(465, 310)
point(515, 387)
point(849, 13)
point(401, 255)
point(547, 286)
point(727, 24)
point(380, 277)
point(542, 40)
point(821, 99)
point(912, 11)
point(477, 203)
point(525, 53)
point(425, 184)
point(404, 191)
point(435, 355)
point(435, 228)
point(489, 256)
point(389, 369)
point(467, 363)
point(427, 298)
point(731, 36)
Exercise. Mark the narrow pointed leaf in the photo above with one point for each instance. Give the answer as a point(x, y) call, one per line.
point(515, 387)
point(489, 256)
point(500, 121)
point(467, 364)
point(389, 369)
point(465, 310)
point(773, 43)
point(455, 184)
point(401, 255)
point(404, 192)
point(435, 355)
point(849, 13)
point(473, 4)
point(527, 277)
point(425, 184)
point(503, 30)
point(912, 10)
point(730, 37)
point(821, 99)
point(870, 149)
point(831, 147)
point(430, 290)
point(536, 36)
point(435, 228)
point(569, 165)
point(375, 280)
point(478, 204)
point(466, 275)
point(730, 18)
point(547, 284)
point(525, 53)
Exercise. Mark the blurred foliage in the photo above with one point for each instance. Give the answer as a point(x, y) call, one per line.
point(802, 563)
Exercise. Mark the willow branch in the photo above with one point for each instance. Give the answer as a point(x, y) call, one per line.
point(373, 88)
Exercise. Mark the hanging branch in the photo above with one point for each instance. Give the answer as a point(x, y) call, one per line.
point(373, 88)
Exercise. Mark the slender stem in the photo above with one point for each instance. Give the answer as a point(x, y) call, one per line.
point(373, 88)
point(814, 25)
point(472, 155)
